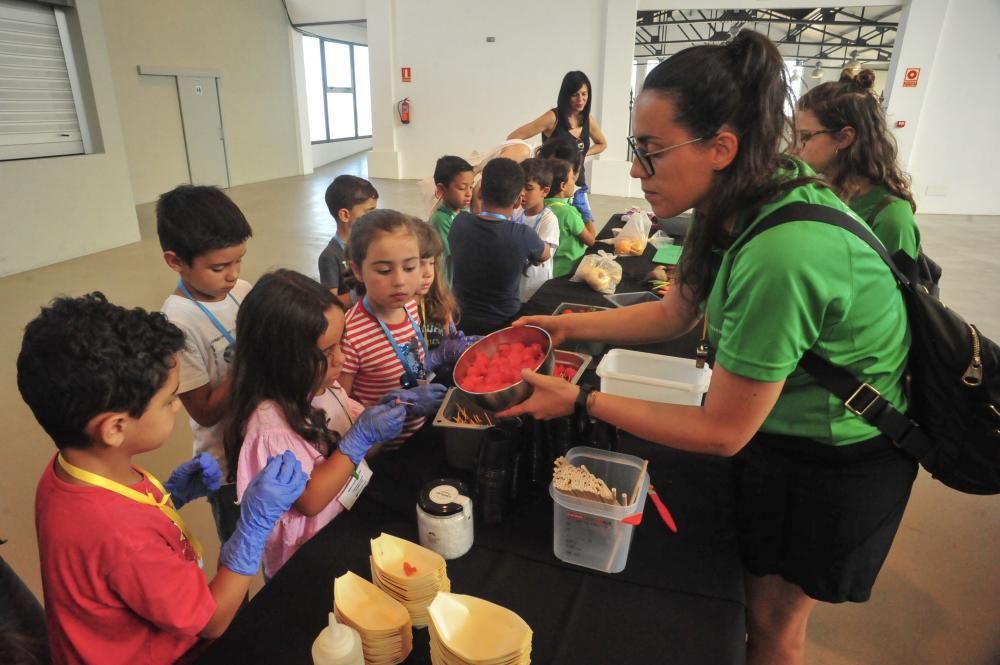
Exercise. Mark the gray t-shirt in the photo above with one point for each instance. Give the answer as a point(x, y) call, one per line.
point(332, 265)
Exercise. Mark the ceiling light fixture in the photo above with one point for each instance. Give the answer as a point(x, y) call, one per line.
point(817, 72)
point(854, 65)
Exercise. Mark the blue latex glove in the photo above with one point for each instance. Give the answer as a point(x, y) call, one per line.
point(376, 424)
point(193, 479)
point(268, 496)
point(425, 399)
point(447, 353)
point(581, 204)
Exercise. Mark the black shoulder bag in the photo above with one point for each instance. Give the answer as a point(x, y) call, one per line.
point(953, 424)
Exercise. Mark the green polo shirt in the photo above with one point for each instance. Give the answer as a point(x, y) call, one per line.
point(894, 224)
point(809, 285)
point(571, 248)
point(442, 219)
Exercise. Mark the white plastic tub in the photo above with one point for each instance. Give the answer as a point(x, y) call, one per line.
point(653, 377)
point(590, 533)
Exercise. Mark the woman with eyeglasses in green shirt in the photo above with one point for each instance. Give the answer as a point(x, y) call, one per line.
point(819, 492)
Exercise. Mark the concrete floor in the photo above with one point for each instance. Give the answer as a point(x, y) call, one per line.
point(938, 597)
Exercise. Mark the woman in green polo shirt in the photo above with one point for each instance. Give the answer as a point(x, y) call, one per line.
point(820, 492)
point(840, 131)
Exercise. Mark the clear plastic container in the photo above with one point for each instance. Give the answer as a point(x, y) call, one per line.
point(631, 298)
point(590, 533)
point(653, 377)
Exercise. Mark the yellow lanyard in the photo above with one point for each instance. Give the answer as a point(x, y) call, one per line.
point(423, 321)
point(165, 506)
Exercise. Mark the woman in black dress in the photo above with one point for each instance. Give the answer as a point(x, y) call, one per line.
point(571, 117)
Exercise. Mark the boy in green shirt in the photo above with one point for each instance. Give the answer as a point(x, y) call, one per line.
point(453, 185)
point(574, 235)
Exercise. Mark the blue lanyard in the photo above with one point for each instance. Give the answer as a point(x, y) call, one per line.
point(415, 373)
point(211, 317)
point(495, 215)
point(539, 218)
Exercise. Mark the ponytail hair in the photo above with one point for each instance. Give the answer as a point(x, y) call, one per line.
point(743, 87)
point(851, 102)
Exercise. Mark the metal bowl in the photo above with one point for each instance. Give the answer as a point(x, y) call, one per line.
point(505, 398)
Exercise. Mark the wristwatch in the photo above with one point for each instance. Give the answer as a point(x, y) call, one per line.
point(580, 405)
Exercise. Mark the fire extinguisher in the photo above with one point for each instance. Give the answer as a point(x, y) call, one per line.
point(403, 109)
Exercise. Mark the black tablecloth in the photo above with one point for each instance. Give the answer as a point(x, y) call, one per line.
point(679, 599)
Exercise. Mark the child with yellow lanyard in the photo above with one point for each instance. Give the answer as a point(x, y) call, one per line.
point(121, 572)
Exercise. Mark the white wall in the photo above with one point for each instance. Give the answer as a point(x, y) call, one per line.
point(466, 93)
point(956, 134)
point(246, 41)
point(63, 207)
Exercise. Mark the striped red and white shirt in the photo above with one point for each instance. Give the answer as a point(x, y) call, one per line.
point(369, 356)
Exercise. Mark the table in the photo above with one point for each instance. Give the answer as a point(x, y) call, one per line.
point(634, 270)
point(679, 599)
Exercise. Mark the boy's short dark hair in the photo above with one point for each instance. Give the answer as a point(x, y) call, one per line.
point(560, 173)
point(503, 181)
point(347, 191)
point(538, 171)
point(192, 220)
point(448, 167)
point(85, 356)
point(562, 147)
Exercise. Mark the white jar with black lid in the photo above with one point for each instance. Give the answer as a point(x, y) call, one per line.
point(444, 517)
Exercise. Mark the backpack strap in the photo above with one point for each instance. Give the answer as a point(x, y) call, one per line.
point(880, 206)
point(861, 399)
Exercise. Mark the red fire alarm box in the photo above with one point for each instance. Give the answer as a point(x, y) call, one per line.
point(900, 124)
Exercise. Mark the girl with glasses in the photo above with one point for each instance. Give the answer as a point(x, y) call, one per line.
point(820, 492)
point(840, 131)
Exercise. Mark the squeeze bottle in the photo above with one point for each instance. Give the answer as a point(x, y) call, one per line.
point(337, 644)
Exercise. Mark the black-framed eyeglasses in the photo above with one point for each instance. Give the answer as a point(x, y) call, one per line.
point(803, 135)
point(643, 157)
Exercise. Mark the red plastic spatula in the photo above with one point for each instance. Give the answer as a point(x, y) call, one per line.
point(668, 519)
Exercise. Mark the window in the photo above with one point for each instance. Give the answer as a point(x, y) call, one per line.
point(41, 108)
point(338, 90)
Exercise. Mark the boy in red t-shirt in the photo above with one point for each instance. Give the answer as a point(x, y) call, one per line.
point(120, 571)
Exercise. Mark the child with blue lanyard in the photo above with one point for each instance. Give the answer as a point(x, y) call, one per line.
point(384, 346)
point(539, 216)
point(489, 252)
point(203, 235)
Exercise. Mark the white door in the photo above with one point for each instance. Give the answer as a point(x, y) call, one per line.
point(203, 136)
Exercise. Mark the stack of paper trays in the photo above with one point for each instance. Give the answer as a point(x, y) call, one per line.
point(409, 573)
point(384, 624)
point(466, 630)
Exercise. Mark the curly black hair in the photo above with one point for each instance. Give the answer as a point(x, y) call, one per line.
point(85, 356)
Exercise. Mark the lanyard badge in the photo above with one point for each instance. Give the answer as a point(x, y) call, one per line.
point(408, 353)
point(227, 355)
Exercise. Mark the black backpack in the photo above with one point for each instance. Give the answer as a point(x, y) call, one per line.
point(953, 425)
point(923, 271)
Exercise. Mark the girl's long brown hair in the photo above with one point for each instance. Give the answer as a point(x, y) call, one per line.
point(741, 86)
point(850, 102)
point(276, 358)
point(440, 303)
